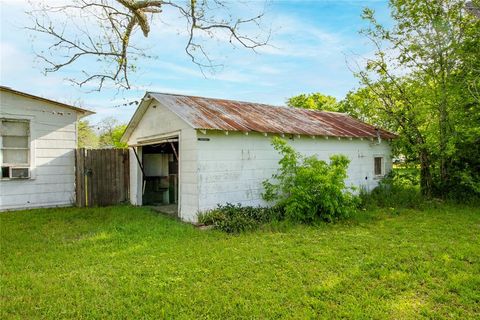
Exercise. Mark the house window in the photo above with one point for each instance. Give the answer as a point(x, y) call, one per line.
point(378, 166)
point(14, 148)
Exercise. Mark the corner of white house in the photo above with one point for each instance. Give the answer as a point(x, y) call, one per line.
point(50, 158)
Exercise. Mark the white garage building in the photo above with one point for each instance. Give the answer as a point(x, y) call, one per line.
point(195, 152)
point(38, 138)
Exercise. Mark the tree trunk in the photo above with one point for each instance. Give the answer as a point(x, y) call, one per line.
point(425, 174)
point(443, 121)
point(443, 124)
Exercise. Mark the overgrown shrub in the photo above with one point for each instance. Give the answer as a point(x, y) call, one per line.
point(399, 189)
point(307, 188)
point(236, 218)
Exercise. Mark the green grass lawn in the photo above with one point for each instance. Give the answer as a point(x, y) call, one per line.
point(124, 262)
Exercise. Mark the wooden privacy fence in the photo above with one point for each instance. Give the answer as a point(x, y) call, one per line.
point(102, 177)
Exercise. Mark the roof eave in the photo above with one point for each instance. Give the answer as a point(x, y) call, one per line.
point(137, 116)
point(86, 112)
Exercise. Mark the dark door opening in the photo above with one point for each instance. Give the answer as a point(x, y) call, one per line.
point(160, 181)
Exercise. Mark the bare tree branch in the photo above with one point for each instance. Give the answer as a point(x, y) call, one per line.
point(104, 30)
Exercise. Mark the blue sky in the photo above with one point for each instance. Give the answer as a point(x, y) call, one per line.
point(310, 43)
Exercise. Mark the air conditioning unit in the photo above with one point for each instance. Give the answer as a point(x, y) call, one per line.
point(19, 173)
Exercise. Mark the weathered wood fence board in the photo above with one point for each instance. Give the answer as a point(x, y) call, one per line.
point(102, 177)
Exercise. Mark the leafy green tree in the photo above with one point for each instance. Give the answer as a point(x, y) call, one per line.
point(111, 132)
point(314, 101)
point(425, 76)
point(363, 104)
point(87, 138)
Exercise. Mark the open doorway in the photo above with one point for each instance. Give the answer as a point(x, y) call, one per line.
point(160, 181)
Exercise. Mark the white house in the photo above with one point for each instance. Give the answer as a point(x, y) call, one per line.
point(199, 152)
point(38, 137)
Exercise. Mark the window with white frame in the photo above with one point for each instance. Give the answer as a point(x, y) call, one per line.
point(378, 166)
point(14, 148)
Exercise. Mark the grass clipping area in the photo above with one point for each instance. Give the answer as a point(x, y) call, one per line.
point(124, 262)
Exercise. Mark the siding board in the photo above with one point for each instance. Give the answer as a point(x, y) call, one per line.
point(231, 168)
point(53, 141)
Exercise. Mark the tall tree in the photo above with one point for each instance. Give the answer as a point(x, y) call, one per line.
point(104, 31)
point(423, 74)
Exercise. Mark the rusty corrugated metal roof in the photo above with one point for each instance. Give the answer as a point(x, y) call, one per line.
point(220, 114)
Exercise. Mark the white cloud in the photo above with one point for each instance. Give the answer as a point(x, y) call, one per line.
point(294, 37)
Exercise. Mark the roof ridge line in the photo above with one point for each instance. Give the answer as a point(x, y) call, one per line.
point(242, 101)
point(212, 98)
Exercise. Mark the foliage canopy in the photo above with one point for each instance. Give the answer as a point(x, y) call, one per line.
point(106, 134)
point(423, 82)
point(314, 101)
